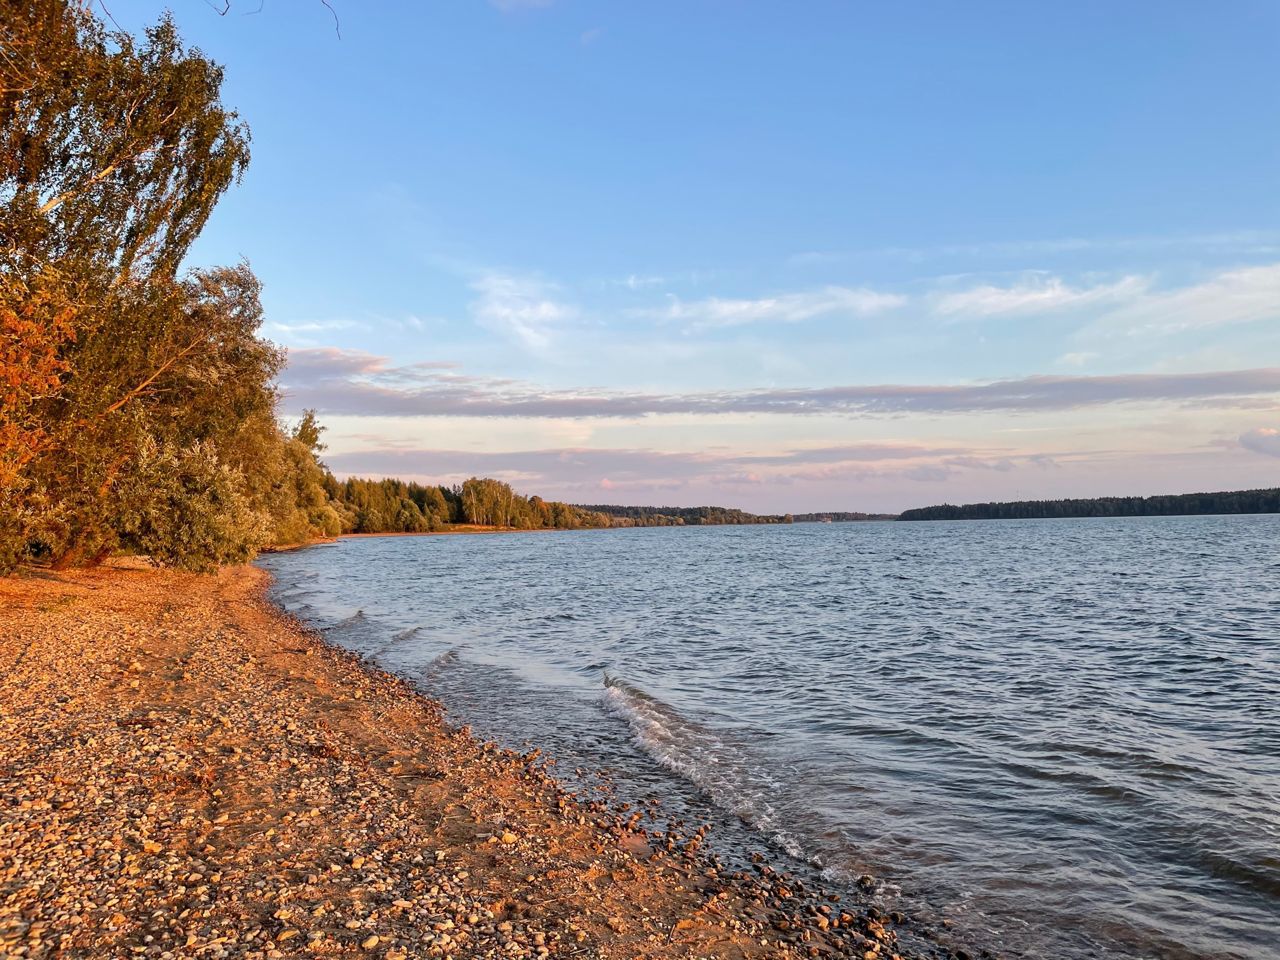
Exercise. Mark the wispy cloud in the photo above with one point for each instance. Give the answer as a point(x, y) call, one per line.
point(1076, 359)
point(635, 281)
point(1256, 242)
point(354, 383)
point(307, 333)
point(1244, 295)
point(1037, 294)
point(521, 308)
point(718, 312)
point(617, 469)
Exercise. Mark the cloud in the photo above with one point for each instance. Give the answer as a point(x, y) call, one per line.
point(1237, 296)
point(1077, 359)
point(638, 282)
point(927, 473)
point(521, 308)
point(1241, 241)
point(1262, 440)
point(604, 468)
point(1035, 295)
point(717, 312)
point(312, 326)
point(355, 383)
point(861, 452)
point(329, 363)
point(999, 464)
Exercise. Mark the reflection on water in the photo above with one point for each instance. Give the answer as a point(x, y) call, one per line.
point(1062, 735)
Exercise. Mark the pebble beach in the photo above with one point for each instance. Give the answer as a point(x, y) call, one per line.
point(189, 772)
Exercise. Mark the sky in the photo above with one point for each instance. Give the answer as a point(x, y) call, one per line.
point(778, 256)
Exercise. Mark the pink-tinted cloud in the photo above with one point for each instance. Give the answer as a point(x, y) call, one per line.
point(618, 469)
point(355, 383)
point(1263, 440)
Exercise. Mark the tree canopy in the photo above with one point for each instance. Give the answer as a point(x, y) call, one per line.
point(137, 401)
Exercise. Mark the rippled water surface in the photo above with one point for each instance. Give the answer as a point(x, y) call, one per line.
point(1062, 736)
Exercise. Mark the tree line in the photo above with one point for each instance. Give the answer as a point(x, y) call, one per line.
point(1231, 501)
point(396, 506)
point(622, 516)
point(841, 516)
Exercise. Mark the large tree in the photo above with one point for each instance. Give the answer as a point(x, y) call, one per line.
point(137, 406)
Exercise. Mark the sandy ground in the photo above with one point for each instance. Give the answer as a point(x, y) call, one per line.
point(187, 772)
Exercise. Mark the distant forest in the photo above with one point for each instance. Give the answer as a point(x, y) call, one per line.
point(396, 506)
point(841, 517)
point(1231, 501)
point(621, 516)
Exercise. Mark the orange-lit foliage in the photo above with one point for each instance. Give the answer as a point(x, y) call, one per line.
point(35, 325)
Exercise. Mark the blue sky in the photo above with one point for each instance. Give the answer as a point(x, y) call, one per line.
point(781, 256)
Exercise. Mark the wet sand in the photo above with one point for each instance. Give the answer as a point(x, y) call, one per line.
point(188, 772)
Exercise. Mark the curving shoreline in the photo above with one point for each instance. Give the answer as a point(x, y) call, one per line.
point(191, 772)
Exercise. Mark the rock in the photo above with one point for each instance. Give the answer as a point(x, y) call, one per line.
point(370, 942)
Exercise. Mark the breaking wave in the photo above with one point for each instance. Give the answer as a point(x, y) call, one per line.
point(707, 758)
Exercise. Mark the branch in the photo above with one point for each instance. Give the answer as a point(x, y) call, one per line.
point(226, 7)
point(140, 388)
point(54, 202)
point(337, 27)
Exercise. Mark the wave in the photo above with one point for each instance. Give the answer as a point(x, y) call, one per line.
point(396, 638)
point(720, 769)
point(441, 662)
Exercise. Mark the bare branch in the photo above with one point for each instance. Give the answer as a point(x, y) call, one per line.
point(337, 27)
point(226, 7)
point(109, 16)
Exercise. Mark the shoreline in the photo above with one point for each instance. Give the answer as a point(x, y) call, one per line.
point(193, 772)
point(461, 529)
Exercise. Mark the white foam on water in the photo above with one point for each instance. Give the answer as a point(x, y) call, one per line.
point(720, 769)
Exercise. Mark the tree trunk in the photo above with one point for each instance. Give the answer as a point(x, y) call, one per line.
point(100, 556)
point(68, 558)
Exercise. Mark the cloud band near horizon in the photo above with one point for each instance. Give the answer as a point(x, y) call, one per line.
point(354, 383)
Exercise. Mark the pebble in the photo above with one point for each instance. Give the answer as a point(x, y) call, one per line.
point(234, 805)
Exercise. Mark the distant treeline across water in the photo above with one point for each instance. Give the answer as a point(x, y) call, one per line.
point(624, 516)
point(1231, 501)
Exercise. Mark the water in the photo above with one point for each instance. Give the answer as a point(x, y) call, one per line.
point(1062, 736)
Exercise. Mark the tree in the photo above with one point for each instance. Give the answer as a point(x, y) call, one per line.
point(35, 326)
point(113, 153)
point(112, 156)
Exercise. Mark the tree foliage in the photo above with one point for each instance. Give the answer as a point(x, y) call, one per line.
point(137, 404)
point(114, 152)
point(394, 506)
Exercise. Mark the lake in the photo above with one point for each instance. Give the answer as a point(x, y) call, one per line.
point(1060, 736)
